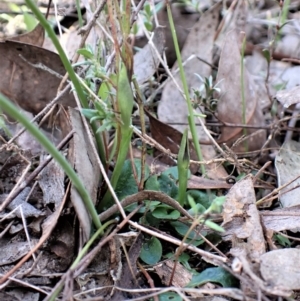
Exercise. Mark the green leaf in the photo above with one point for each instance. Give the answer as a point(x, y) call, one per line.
point(127, 184)
point(172, 172)
point(163, 183)
point(284, 241)
point(168, 186)
point(217, 204)
point(152, 183)
point(86, 53)
point(169, 296)
point(216, 275)
point(213, 226)
point(161, 212)
point(148, 25)
point(151, 251)
point(29, 21)
point(89, 113)
point(267, 55)
point(182, 229)
point(200, 197)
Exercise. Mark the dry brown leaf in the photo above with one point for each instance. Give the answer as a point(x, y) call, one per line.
point(181, 276)
point(34, 37)
point(169, 138)
point(146, 60)
point(32, 76)
point(82, 157)
point(230, 108)
point(241, 219)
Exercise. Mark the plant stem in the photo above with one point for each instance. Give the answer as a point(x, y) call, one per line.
point(191, 117)
point(243, 91)
point(67, 66)
point(11, 110)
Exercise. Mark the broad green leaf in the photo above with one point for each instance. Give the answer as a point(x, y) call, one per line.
point(216, 275)
point(161, 212)
point(182, 229)
point(127, 184)
point(162, 183)
point(152, 183)
point(169, 296)
point(168, 186)
point(151, 251)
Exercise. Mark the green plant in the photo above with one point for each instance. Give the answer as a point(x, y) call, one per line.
point(205, 94)
point(191, 117)
point(11, 110)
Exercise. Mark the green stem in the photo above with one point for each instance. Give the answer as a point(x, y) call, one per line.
point(244, 121)
point(68, 68)
point(191, 117)
point(11, 110)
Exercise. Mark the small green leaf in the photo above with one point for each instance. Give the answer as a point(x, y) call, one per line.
point(217, 204)
point(148, 25)
point(284, 241)
point(152, 183)
point(127, 184)
point(89, 113)
point(216, 275)
point(29, 21)
point(85, 53)
point(182, 229)
point(161, 212)
point(151, 251)
point(213, 226)
point(169, 296)
point(267, 55)
point(200, 197)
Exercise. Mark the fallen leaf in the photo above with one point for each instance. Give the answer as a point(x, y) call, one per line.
point(34, 37)
point(241, 220)
point(280, 268)
point(282, 219)
point(288, 97)
point(172, 107)
point(146, 60)
point(169, 138)
point(230, 106)
point(51, 181)
point(181, 276)
point(81, 155)
point(32, 76)
point(287, 163)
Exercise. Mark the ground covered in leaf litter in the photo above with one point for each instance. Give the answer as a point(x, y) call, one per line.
point(252, 158)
